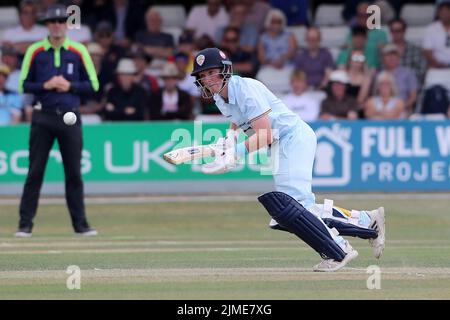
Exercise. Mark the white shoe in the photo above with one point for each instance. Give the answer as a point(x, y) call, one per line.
point(330, 265)
point(378, 223)
point(87, 233)
point(21, 234)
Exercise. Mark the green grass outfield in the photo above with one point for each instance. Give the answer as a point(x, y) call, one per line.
point(218, 249)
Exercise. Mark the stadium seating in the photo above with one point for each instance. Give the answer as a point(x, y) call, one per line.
point(174, 31)
point(299, 33)
point(415, 35)
point(329, 15)
point(334, 37)
point(417, 14)
point(432, 77)
point(173, 15)
point(438, 76)
point(9, 16)
point(277, 80)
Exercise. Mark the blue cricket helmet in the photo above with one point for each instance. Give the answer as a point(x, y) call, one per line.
point(211, 58)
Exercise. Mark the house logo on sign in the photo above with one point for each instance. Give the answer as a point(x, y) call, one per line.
point(332, 165)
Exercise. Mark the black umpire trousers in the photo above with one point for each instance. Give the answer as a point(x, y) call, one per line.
point(47, 126)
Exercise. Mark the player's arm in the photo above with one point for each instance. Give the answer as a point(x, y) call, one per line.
point(263, 133)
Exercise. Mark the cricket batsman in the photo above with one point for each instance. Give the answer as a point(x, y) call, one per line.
point(253, 108)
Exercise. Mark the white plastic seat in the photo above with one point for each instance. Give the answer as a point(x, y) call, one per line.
point(329, 15)
point(174, 31)
point(417, 14)
point(9, 17)
point(438, 76)
point(415, 35)
point(334, 37)
point(277, 80)
point(299, 34)
point(172, 15)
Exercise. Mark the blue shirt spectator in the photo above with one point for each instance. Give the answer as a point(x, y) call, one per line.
point(276, 46)
point(315, 61)
point(248, 33)
point(10, 102)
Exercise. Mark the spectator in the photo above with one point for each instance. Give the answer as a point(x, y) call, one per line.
point(303, 102)
point(96, 11)
point(436, 40)
point(43, 5)
point(257, 11)
point(276, 46)
point(387, 11)
point(127, 20)
point(248, 33)
point(83, 35)
point(204, 42)
point(385, 104)
point(126, 100)
point(92, 103)
point(405, 78)
point(359, 41)
point(242, 61)
point(142, 62)
point(112, 53)
point(158, 44)
point(170, 102)
point(376, 38)
point(207, 19)
point(296, 11)
point(10, 59)
point(186, 81)
point(411, 56)
point(315, 61)
point(338, 104)
point(10, 102)
point(28, 31)
point(186, 45)
point(360, 77)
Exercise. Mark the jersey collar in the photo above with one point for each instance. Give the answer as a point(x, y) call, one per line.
point(48, 45)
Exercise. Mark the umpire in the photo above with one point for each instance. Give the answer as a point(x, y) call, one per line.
point(57, 71)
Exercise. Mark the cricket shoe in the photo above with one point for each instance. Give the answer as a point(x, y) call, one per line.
point(330, 265)
point(378, 223)
point(23, 233)
point(87, 232)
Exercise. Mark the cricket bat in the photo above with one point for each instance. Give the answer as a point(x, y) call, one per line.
point(183, 155)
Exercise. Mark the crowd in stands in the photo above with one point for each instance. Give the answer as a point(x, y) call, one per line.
point(144, 64)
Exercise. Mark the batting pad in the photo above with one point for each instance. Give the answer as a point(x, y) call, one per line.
point(296, 219)
point(347, 229)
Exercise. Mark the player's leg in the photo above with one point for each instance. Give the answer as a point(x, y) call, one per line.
point(40, 143)
point(70, 142)
point(292, 171)
point(335, 251)
point(356, 223)
point(295, 178)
